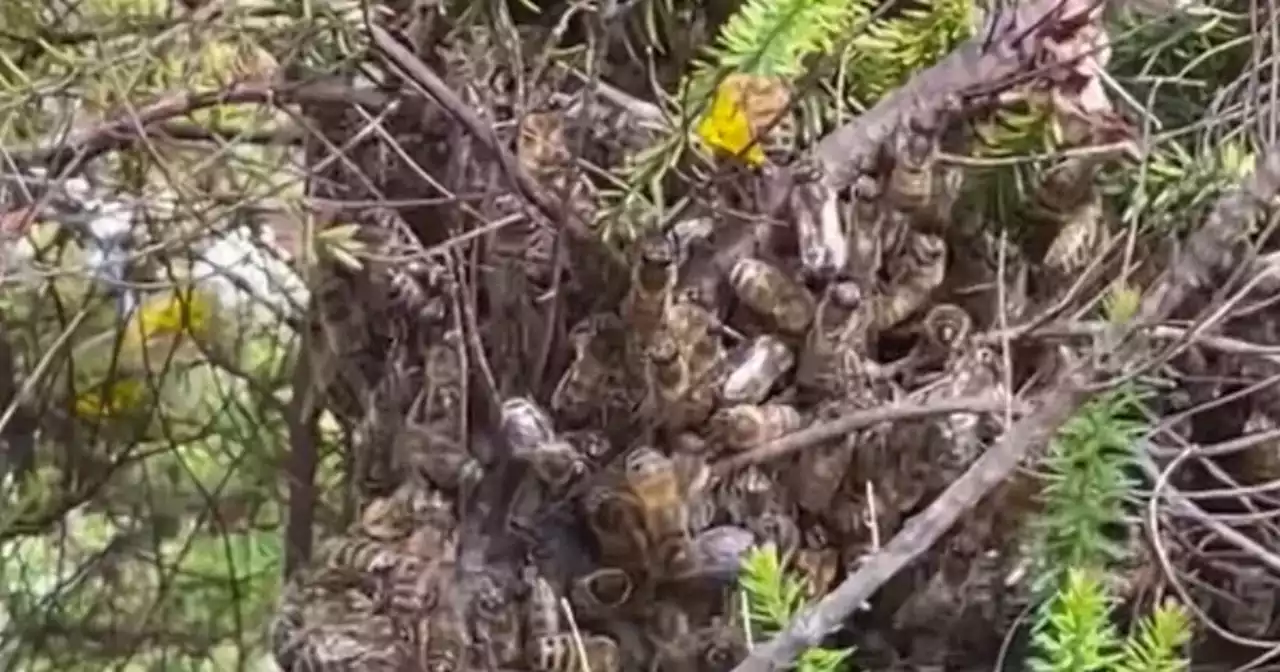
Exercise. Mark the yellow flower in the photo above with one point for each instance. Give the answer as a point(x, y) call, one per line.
point(108, 401)
point(727, 124)
point(171, 313)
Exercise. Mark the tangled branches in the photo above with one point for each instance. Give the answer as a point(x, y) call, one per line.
point(557, 449)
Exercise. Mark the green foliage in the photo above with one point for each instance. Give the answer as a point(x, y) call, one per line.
point(765, 37)
point(1176, 187)
point(1156, 645)
point(1175, 67)
point(773, 597)
point(1075, 633)
point(891, 50)
point(1086, 485)
point(1086, 488)
point(773, 37)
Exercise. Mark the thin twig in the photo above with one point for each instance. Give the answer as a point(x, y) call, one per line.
point(843, 425)
point(418, 73)
point(122, 130)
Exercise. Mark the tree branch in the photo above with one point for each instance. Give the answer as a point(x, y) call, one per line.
point(126, 128)
point(1045, 40)
point(825, 431)
point(417, 72)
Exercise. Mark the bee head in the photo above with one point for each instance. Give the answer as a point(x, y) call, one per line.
point(558, 463)
point(602, 652)
point(645, 461)
point(524, 423)
point(947, 324)
point(744, 422)
point(928, 249)
point(846, 295)
point(590, 444)
point(663, 350)
point(723, 649)
point(608, 587)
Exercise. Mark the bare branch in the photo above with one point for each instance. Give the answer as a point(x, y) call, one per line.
point(128, 127)
point(1016, 46)
point(825, 431)
point(418, 72)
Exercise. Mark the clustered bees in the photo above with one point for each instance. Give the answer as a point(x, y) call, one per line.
point(633, 522)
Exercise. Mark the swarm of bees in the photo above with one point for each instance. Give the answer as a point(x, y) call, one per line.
point(631, 526)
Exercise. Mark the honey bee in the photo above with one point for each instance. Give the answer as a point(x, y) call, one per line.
point(669, 368)
point(369, 643)
point(713, 648)
point(688, 443)
point(577, 397)
point(835, 350)
point(763, 363)
point(959, 437)
point(702, 508)
point(1066, 186)
point(560, 653)
point(914, 151)
point(590, 444)
point(678, 400)
point(746, 426)
point(692, 326)
point(1069, 205)
point(524, 424)
point(557, 464)
point(359, 553)
point(406, 294)
point(715, 554)
point(916, 273)
point(777, 528)
point(314, 603)
point(864, 237)
point(653, 283)
point(770, 293)
point(444, 642)
point(600, 593)
point(542, 610)
point(667, 621)
point(1260, 463)
point(540, 144)
point(529, 429)
point(1253, 612)
point(817, 561)
point(410, 587)
point(723, 647)
point(654, 481)
point(441, 400)
point(746, 494)
point(376, 432)
point(497, 623)
point(593, 382)
point(819, 235)
point(415, 522)
point(947, 327)
point(617, 521)
point(1080, 234)
point(390, 518)
point(820, 471)
point(445, 464)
